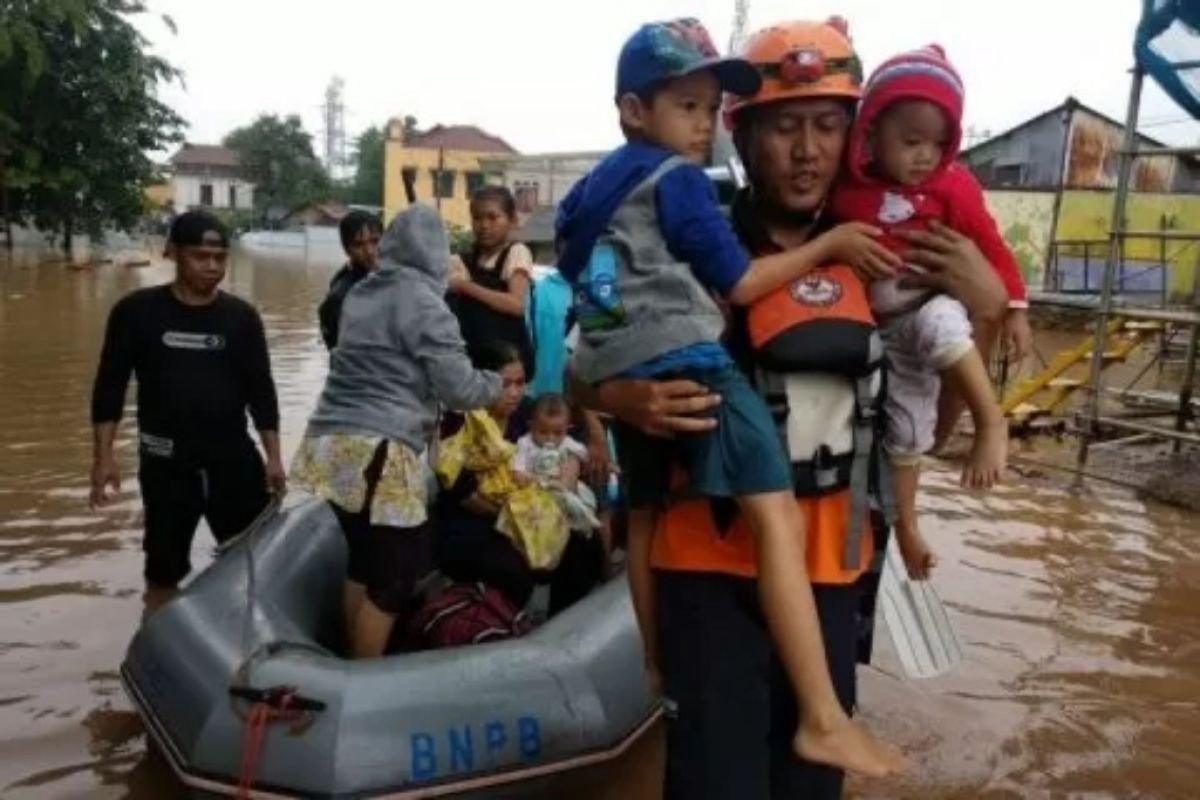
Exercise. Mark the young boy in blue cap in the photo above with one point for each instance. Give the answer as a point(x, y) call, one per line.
point(645, 247)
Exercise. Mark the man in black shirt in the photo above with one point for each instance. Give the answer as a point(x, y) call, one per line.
point(200, 356)
point(360, 233)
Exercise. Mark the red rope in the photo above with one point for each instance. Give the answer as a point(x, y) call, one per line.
point(261, 715)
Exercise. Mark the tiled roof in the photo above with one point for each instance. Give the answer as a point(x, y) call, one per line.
point(206, 155)
point(460, 137)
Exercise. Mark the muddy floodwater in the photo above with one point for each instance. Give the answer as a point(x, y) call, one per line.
point(1079, 609)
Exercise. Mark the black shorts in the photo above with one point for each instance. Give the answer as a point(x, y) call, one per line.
point(229, 491)
point(730, 735)
point(387, 560)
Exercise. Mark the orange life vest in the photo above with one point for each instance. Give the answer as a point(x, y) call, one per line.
point(820, 361)
point(820, 323)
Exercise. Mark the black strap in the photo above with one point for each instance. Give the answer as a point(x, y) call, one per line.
point(849, 65)
point(489, 278)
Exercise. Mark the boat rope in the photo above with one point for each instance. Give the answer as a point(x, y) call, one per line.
point(247, 539)
point(275, 704)
point(272, 704)
point(278, 704)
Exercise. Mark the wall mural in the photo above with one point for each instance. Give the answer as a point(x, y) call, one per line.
point(1024, 218)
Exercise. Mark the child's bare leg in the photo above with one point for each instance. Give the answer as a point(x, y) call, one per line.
point(985, 466)
point(605, 533)
point(918, 558)
point(951, 403)
point(641, 587)
point(826, 735)
point(372, 629)
point(353, 593)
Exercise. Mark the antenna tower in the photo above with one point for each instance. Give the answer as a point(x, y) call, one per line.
point(334, 114)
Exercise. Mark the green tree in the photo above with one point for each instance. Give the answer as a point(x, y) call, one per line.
point(78, 114)
point(461, 239)
point(411, 128)
point(277, 155)
point(367, 187)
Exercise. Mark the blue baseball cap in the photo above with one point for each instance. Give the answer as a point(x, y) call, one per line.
point(659, 51)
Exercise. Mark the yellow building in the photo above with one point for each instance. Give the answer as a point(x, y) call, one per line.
point(443, 164)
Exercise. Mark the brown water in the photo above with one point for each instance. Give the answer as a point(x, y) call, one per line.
point(1080, 612)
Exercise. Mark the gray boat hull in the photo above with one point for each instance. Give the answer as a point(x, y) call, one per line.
point(472, 719)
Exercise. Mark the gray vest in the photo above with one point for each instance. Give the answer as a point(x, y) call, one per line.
point(634, 300)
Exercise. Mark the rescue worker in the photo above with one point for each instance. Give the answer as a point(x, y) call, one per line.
point(733, 713)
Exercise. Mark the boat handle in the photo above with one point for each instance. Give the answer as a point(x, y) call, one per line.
point(277, 697)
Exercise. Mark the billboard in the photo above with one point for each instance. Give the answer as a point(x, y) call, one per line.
point(1093, 149)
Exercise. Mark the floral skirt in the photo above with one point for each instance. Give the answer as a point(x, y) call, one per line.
point(334, 468)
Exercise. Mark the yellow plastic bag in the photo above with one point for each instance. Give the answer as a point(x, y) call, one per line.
point(529, 515)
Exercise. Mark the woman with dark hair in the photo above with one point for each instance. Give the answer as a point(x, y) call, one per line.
point(360, 232)
point(489, 288)
point(468, 548)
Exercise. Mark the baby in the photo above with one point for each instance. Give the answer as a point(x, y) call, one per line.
point(549, 458)
point(902, 176)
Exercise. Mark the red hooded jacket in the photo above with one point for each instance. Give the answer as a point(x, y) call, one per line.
point(950, 195)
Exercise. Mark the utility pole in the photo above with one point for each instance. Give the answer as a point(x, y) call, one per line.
point(437, 181)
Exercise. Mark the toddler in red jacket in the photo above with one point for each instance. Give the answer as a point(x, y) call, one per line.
point(901, 175)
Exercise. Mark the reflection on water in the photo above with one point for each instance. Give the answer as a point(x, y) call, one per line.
point(1078, 612)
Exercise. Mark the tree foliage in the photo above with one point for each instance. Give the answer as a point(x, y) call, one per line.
point(367, 187)
point(79, 113)
point(277, 155)
point(411, 127)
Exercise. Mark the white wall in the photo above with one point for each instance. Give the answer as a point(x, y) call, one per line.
point(187, 192)
point(554, 174)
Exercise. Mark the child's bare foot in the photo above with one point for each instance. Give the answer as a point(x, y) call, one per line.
point(918, 558)
point(849, 747)
point(985, 465)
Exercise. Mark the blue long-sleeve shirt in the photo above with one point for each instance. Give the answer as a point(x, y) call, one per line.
point(690, 221)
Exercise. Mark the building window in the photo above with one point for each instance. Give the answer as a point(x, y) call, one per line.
point(206, 194)
point(443, 183)
point(232, 196)
point(527, 196)
point(409, 176)
point(475, 182)
point(1008, 175)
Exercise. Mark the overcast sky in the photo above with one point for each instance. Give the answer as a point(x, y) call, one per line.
point(540, 72)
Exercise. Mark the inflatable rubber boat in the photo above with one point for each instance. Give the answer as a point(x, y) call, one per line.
point(238, 682)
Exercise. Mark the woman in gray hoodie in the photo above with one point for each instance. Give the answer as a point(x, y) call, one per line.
point(399, 356)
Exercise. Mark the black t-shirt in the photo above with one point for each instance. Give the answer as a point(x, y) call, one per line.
point(329, 313)
point(199, 368)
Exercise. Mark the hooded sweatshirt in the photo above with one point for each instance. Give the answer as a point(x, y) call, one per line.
point(950, 195)
point(399, 350)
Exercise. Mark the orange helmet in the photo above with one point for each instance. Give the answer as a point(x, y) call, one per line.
point(801, 59)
